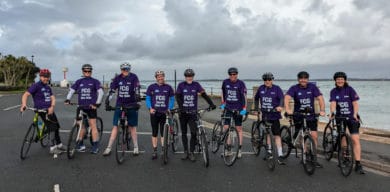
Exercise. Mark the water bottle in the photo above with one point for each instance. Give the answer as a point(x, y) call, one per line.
point(40, 126)
point(335, 134)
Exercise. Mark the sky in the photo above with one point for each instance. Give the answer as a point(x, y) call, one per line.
point(256, 36)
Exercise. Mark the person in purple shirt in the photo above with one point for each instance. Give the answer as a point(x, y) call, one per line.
point(159, 99)
point(344, 102)
point(44, 99)
point(234, 99)
point(304, 94)
point(271, 99)
point(187, 99)
point(128, 87)
point(90, 95)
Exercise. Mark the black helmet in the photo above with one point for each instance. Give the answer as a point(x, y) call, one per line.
point(267, 76)
point(189, 73)
point(339, 74)
point(86, 67)
point(232, 70)
point(303, 74)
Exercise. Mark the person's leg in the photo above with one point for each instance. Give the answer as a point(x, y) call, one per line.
point(313, 126)
point(238, 123)
point(132, 117)
point(193, 130)
point(162, 119)
point(51, 128)
point(353, 127)
point(183, 125)
point(114, 132)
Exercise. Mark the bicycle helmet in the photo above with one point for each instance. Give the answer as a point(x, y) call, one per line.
point(339, 74)
point(86, 67)
point(44, 73)
point(268, 76)
point(303, 74)
point(189, 73)
point(159, 72)
point(126, 65)
point(232, 70)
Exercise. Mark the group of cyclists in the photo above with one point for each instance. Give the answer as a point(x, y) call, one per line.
point(160, 97)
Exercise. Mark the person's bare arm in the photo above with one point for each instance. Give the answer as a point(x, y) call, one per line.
point(322, 105)
point(355, 106)
point(287, 99)
point(24, 101)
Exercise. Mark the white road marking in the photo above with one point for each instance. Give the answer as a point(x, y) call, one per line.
point(9, 108)
point(56, 188)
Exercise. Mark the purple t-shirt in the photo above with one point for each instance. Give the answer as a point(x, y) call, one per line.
point(234, 94)
point(87, 90)
point(304, 97)
point(189, 93)
point(344, 97)
point(160, 95)
point(41, 94)
point(127, 87)
point(270, 98)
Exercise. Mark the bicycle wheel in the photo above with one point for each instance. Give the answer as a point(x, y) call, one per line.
point(345, 155)
point(205, 148)
point(309, 157)
point(231, 146)
point(271, 157)
point(73, 141)
point(216, 136)
point(327, 142)
point(285, 135)
point(99, 127)
point(255, 138)
point(121, 145)
point(174, 135)
point(27, 140)
point(165, 144)
point(45, 140)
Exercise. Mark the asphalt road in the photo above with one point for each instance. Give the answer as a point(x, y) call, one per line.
point(87, 172)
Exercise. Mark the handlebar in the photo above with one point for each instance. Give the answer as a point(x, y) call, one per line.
point(110, 108)
point(36, 110)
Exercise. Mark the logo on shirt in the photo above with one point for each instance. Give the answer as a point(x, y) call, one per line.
point(272, 93)
point(337, 97)
point(157, 91)
point(121, 83)
point(43, 89)
point(185, 91)
point(81, 85)
point(227, 86)
point(193, 90)
point(90, 84)
point(299, 93)
point(262, 92)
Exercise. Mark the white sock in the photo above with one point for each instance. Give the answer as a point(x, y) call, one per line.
point(280, 151)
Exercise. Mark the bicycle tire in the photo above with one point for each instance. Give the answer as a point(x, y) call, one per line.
point(174, 136)
point(72, 142)
point(45, 140)
point(121, 145)
point(271, 160)
point(216, 136)
point(285, 135)
point(255, 138)
point(309, 156)
point(99, 127)
point(205, 148)
point(232, 137)
point(328, 142)
point(345, 156)
point(165, 145)
point(27, 140)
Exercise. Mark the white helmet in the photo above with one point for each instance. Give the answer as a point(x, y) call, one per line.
point(159, 72)
point(126, 65)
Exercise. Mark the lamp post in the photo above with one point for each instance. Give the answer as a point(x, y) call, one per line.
point(32, 59)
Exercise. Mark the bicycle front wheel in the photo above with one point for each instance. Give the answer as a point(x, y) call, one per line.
point(121, 146)
point(205, 148)
point(285, 135)
point(345, 155)
point(271, 155)
point(327, 142)
point(27, 140)
point(255, 138)
point(216, 136)
point(309, 155)
point(73, 141)
point(174, 135)
point(231, 146)
point(165, 144)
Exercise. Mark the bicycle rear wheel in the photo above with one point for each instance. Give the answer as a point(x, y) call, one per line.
point(327, 142)
point(174, 135)
point(73, 141)
point(27, 140)
point(216, 136)
point(121, 145)
point(285, 134)
point(165, 144)
point(255, 138)
point(345, 155)
point(99, 127)
point(231, 146)
point(205, 148)
point(309, 153)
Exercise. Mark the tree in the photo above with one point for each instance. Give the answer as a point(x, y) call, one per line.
point(17, 71)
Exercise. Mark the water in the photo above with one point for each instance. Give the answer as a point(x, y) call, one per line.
point(374, 105)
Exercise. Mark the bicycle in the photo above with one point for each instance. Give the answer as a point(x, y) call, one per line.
point(37, 132)
point(81, 122)
point(201, 144)
point(261, 128)
point(228, 138)
point(170, 134)
point(123, 139)
point(333, 140)
point(303, 141)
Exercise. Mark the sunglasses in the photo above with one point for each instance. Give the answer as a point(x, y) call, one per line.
point(125, 69)
point(87, 71)
point(267, 79)
point(232, 74)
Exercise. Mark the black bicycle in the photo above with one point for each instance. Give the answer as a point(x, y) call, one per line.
point(335, 138)
point(303, 141)
point(201, 144)
point(170, 134)
point(81, 121)
point(229, 138)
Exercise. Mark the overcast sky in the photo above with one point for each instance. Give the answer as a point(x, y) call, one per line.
point(281, 36)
